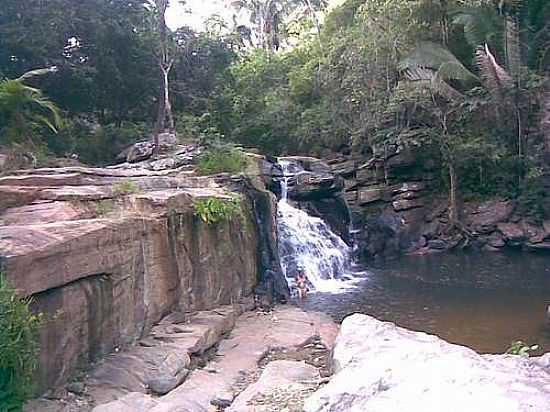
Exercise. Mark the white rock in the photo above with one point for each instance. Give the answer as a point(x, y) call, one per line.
point(380, 367)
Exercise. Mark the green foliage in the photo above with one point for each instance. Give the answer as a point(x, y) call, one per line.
point(222, 158)
point(519, 348)
point(213, 210)
point(25, 111)
point(104, 207)
point(125, 187)
point(18, 348)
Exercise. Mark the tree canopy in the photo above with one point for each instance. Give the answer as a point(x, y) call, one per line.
point(466, 79)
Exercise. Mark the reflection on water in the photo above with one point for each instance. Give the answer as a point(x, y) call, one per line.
point(484, 301)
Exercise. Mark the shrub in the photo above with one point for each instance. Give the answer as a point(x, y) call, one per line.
point(18, 348)
point(125, 187)
point(213, 210)
point(520, 348)
point(220, 158)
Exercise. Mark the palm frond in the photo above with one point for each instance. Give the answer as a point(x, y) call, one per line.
point(495, 78)
point(429, 55)
point(36, 72)
point(481, 24)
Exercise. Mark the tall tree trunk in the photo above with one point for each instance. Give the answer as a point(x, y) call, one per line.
point(453, 194)
point(165, 119)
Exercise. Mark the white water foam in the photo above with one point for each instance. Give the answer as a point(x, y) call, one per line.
point(306, 241)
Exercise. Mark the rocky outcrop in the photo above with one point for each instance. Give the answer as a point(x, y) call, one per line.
point(237, 359)
point(106, 253)
point(396, 209)
point(380, 367)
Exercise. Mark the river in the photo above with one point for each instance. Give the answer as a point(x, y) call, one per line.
point(481, 300)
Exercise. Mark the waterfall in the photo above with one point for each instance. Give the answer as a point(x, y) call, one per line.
point(307, 241)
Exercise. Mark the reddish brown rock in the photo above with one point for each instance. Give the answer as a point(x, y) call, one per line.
point(102, 283)
point(511, 231)
point(14, 196)
point(483, 217)
point(45, 212)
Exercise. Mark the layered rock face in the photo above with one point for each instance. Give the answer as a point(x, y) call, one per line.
point(380, 367)
point(397, 210)
point(106, 253)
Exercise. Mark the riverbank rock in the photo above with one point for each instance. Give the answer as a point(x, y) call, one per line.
point(380, 367)
point(105, 253)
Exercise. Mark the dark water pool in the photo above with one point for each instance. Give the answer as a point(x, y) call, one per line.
point(484, 301)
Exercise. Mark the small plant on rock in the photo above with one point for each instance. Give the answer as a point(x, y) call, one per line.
point(222, 158)
point(125, 187)
point(213, 210)
point(18, 348)
point(518, 347)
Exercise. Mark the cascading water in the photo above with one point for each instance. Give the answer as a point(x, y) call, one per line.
point(306, 241)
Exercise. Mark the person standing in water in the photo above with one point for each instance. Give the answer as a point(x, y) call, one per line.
point(301, 283)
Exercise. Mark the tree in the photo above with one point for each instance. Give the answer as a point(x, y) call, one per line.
point(268, 17)
point(24, 110)
point(165, 118)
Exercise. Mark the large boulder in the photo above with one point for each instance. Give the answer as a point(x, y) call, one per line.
point(308, 185)
point(380, 367)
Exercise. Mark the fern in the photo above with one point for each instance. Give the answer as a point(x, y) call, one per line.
point(481, 24)
point(213, 210)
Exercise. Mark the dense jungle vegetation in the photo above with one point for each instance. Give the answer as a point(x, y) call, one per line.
point(465, 79)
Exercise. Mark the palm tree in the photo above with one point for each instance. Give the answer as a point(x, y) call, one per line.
point(24, 109)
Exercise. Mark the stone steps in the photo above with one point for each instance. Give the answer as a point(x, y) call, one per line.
point(254, 335)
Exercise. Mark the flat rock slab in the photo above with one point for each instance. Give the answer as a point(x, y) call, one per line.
point(163, 356)
point(380, 367)
point(45, 212)
point(280, 386)
point(238, 355)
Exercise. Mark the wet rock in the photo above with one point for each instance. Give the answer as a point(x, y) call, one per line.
point(309, 185)
point(484, 216)
point(512, 232)
point(380, 367)
point(534, 234)
point(546, 227)
point(437, 244)
point(399, 205)
point(538, 247)
point(495, 240)
point(370, 195)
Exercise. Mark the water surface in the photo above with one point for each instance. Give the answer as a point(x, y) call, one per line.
point(484, 300)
